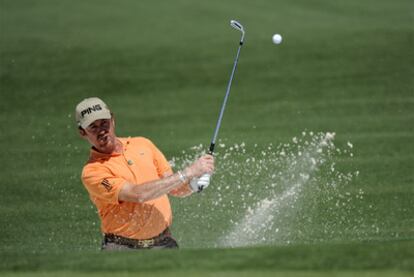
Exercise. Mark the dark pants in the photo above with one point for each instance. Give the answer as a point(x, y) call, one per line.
point(117, 243)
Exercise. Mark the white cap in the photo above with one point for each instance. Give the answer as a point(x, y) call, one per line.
point(91, 109)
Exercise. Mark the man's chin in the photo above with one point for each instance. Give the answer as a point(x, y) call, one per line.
point(108, 147)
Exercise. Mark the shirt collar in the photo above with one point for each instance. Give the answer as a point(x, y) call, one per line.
point(96, 155)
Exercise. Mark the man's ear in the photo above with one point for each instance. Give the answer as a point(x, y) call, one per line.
point(82, 132)
point(113, 120)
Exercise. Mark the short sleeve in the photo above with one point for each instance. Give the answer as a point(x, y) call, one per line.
point(160, 162)
point(102, 184)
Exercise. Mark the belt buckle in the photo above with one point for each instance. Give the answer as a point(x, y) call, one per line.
point(146, 243)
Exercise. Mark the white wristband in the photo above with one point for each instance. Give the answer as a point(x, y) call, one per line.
point(182, 176)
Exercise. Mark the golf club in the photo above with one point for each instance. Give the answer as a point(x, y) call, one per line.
point(236, 25)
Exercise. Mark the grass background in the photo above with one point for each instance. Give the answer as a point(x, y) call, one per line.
point(344, 66)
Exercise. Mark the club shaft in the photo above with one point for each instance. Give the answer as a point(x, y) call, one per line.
point(223, 106)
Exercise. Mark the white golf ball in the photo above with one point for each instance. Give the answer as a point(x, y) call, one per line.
point(277, 39)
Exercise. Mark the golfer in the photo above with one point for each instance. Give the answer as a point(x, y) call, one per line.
point(129, 180)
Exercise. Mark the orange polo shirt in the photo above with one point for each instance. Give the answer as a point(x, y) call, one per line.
point(105, 174)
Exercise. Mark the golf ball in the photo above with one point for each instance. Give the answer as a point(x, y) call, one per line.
point(277, 39)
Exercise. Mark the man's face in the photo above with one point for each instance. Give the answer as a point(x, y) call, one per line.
point(101, 134)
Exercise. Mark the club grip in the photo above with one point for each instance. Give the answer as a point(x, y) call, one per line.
point(211, 149)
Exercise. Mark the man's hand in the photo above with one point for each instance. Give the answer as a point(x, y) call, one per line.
point(203, 165)
point(198, 184)
point(200, 172)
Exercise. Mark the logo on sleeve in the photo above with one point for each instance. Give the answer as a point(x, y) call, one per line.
point(106, 184)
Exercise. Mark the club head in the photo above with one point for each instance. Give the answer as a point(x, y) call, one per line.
point(236, 25)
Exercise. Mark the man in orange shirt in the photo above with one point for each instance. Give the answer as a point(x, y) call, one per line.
point(128, 180)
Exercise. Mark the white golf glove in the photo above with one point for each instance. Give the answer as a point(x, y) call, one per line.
point(198, 184)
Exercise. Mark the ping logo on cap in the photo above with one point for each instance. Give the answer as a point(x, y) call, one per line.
point(89, 110)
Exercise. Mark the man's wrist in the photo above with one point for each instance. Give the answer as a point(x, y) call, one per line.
point(183, 177)
point(188, 173)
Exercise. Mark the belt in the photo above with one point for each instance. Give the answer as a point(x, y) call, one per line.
point(137, 243)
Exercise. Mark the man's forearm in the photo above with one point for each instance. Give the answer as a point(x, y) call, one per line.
point(182, 191)
point(151, 190)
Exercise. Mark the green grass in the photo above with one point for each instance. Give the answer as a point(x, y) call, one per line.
point(344, 66)
point(395, 256)
point(227, 273)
